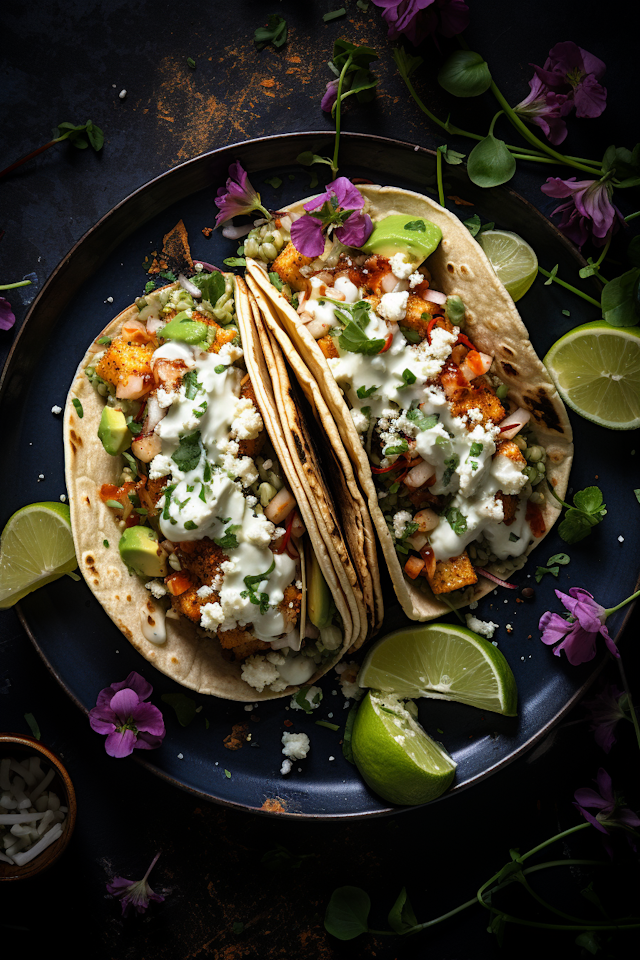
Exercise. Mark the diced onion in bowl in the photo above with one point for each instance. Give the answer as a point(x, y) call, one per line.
point(512, 424)
point(35, 818)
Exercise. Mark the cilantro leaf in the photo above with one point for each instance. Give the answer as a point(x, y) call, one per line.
point(456, 520)
point(559, 558)
point(273, 276)
point(354, 340)
point(274, 182)
point(411, 336)
point(552, 276)
point(419, 226)
point(78, 407)
point(192, 384)
point(262, 599)
point(451, 465)
point(228, 541)
point(451, 157)
point(234, 262)
point(409, 529)
point(540, 572)
point(168, 275)
point(187, 456)
point(476, 449)
point(275, 32)
point(212, 285)
point(422, 421)
point(334, 14)
point(473, 224)
point(401, 447)
point(364, 392)
point(149, 286)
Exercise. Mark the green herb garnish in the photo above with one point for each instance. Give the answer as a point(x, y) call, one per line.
point(456, 520)
point(149, 286)
point(422, 421)
point(275, 32)
point(587, 511)
point(104, 341)
point(191, 63)
point(451, 465)
point(188, 454)
point(401, 447)
point(33, 725)
point(260, 599)
point(228, 541)
point(418, 225)
point(364, 392)
point(191, 384)
point(132, 464)
point(476, 449)
point(78, 407)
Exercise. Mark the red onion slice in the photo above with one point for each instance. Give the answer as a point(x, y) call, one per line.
point(434, 296)
point(208, 266)
point(513, 423)
point(491, 576)
point(191, 288)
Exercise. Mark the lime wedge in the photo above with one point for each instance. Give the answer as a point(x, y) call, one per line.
point(513, 260)
point(36, 547)
point(596, 369)
point(395, 756)
point(445, 662)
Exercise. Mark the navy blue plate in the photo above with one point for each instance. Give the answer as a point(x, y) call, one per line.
point(84, 650)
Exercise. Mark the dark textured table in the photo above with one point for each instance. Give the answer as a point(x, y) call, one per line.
point(218, 867)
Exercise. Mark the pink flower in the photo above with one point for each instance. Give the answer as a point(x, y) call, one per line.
point(576, 636)
point(546, 109)
point(606, 710)
point(127, 721)
point(330, 96)
point(340, 208)
point(134, 894)
point(418, 19)
point(570, 69)
point(589, 211)
point(7, 316)
point(237, 196)
point(609, 806)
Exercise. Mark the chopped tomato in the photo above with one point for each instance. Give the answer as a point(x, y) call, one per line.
point(431, 325)
point(132, 520)
point(282, 545)
point(387, 343)
point(413, 567)
point(534, 518)
point(474, 362)
point(177, 583)
point(108, 491)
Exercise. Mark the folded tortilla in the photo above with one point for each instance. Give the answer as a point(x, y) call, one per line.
point(459, 267)
point(189, 654)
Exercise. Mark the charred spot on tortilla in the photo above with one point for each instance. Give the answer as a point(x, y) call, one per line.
point(150, 606)
point(544, 411)
point(509, 370)
point(89, 560)
point(508, 350)
point(451, 268)
point(299, 448)
point(75, 438)
point(464, 270)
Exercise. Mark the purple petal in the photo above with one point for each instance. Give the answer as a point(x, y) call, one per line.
point(454, 17)
point(124, 703)
point(118, 884)
point(566, 57)
point(120, 743)
point(237, 196)
point(605, 786)
point(146, 741)
point(7, 316)
point(101, 722)
point(135, 682)
point(628, 817)
point(318, 201)
point(579, 645)
point(583, 607)
point(592, 64)
point(330, 96)
point(356, 230)
point(555, 187)
point(148, 718)
point(553, 627)
point(590, 98)
point(307, 237)
point(554, 128)
point(587, 797)
point(347, 195)
point(591, 819)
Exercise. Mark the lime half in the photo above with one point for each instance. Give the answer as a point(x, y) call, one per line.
point(395, 756)
point(36, 547)
point(445, 662)
point(513, 260)
point(596, 369)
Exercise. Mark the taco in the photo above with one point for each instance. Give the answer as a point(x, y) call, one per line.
point(432, 385)
point(191, 525)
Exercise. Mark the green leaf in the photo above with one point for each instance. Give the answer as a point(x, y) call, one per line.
point(364, 392)
point(476, 449)
point(574, 528)
point(456, 520)
point(562, 558)
point(608, 158)
point(251, 582)
point(229, 540)
point(421, 421)
point(540, 572)
point(168, 275)
point(552, 276)
point(212, 285)
point(347, 750)
point(133, 466)
point(227, 774)
point(451, 465)
point(275, 32)
point(588, 500)
point(620, 305)
point(411, 336)
point(637, 493)
point(96, 136)
point(397, 448)
point(473, 224)
point(33, 725)
point(183, 705)
point(78, 407)
point(301, 699)
point(401, 915)
point(454, 309)
point(465, 74)
point(334, 14)
point(417, 225)
point(235, 262)
point(406, 63)
point(191, 384)
point(451, 157)
point(188, 454)
point(307, 158)
point(347, 913)
point(361, 57)
point(149, 286)
point(274, 182)
point(490, 163)
point(589, 941)
point(191, 63)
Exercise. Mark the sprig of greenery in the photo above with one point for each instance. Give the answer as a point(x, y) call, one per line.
point(587, 511)
point(82, 136)
point(275, 32)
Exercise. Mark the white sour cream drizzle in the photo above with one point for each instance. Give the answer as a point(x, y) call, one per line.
point(207, 497)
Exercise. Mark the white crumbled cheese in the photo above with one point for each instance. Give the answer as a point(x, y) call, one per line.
point(393, 306)
point(400, 520)
point(277, 533)
point(475, 415)
point(473, 605)
point(156, 588)
point(259, 531)
point(258, 672)
point(399, 266)
point(278, 685)
point(63, 497)
point(415, 279)
point(122, 94)
point(251, 500)
point(348, 673)
point(165, 398)
point(295, 745)
point(204, 592)
point(211, 616)
point(229, 353)
point(621, 539)
point(491, 508)
point(276, 658)
point(298, 584)
point(405, 426)
point(286, 767)
point(360, 421)
point(382, 494)
point(228, 566)
point(56, 409)
point(247, 422)
point(433, 355)
point(509, 474)
point(161, 466)
point(244, 468)
point(313, 693)
point(486, 628)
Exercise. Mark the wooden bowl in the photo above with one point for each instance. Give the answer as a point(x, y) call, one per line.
point(18, 746)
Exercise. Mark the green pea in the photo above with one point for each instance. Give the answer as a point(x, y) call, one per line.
point(502, 391)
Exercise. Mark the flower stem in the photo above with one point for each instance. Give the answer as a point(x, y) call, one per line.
point(550, 907)
point(29, 156)
point(568, 286)
point(439, 177)
point(334, 163)
point(12, 286)
point(611, 610)
point(445, 916)
point(632, 216)
point(558, 836)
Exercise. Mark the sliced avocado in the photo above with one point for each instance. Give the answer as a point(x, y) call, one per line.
point(113, 431)
point(415, 238)
point(320, 605)
point(184, 329)
point(140, 551)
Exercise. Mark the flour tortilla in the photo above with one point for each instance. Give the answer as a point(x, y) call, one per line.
point(189, 655)
point(460, 267)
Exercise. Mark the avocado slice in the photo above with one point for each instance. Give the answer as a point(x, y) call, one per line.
point(182, 328)
point(415, 238)
point(140, 551)
point(320, 605)
point(114, 432)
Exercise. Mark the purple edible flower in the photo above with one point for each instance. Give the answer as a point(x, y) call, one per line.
point(606, 710)
point(546, 109)
point(607, 803)
point(572, 70)
point(339, 208)
point(330, 96)
point(7, 316)
point(127, 721)
point(237, 196)
point(418, 19)
point(576, 636)
point(588, 213)
point(134, 894)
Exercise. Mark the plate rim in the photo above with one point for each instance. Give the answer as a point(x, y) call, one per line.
point(354, 137)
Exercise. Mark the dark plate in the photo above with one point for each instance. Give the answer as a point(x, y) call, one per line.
point(85, 651)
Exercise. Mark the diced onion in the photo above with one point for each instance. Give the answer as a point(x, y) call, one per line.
point(191, 288)
point(480, 363)
point(132, 389)
point(147, 447)
point(280, 507)
point(153, 325)
point(512, 424)
point(434, 296)
point(419, 475)
point(232, 232)
point(388, 283)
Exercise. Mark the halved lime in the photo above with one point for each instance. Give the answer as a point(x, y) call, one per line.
point(36, 547)
point(513, 260)
point(596, 369)
point(445, 662)
point(395, 756)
